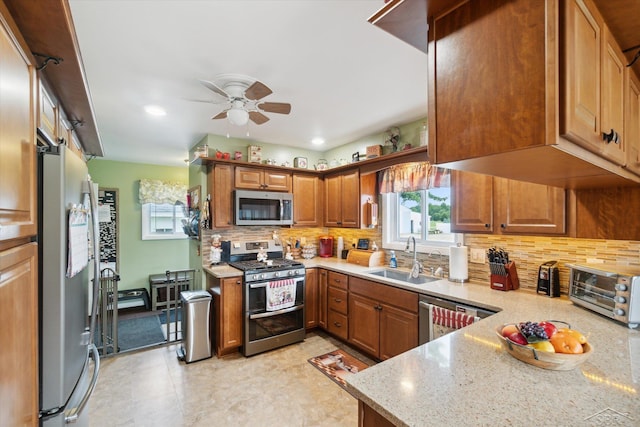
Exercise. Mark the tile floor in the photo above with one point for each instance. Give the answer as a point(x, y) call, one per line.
point(277, 388)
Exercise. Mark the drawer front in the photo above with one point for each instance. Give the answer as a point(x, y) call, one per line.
point(337, 300)
point(338, 324)
point(400, 298)
point(338, 280)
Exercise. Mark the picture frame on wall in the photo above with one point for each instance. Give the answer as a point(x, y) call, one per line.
point(193, 198)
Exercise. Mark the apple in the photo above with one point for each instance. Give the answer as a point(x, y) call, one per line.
point(549, 328)
point(508, 330)
point(226, 156)
point(218, 154)
point(517, 338)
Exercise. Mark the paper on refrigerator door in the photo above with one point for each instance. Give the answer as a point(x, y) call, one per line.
point(78, 241)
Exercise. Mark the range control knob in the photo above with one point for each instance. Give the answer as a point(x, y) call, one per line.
point(621, 287)
point(276, 274)
point(261, 276)
point(620, 299)
point(618, 312)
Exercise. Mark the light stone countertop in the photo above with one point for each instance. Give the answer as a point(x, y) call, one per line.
point(466, 378)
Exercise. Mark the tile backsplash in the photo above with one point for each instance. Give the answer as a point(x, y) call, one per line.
point(528, 252)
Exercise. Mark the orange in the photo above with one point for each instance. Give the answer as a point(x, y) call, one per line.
point(566, 343)
point(579, 336)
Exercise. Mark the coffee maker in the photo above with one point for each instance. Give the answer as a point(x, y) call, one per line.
point(326, 247)
point(549, 279)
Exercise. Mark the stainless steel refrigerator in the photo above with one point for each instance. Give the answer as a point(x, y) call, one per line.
point(69, 361)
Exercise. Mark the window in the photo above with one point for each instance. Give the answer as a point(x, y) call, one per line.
point(163, 221)
point(423, 214)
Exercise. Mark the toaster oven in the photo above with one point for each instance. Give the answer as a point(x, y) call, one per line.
point(611, 291)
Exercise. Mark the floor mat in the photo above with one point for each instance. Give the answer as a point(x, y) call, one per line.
point(338, 365)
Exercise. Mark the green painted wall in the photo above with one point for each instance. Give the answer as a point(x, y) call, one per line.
point(138, 258)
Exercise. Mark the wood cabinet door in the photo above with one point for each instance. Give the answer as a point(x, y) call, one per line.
point(471, 202)
point(632, 122)
point(249, 178)
point(19, 335)
point(398, 331)
point(333, 201)
point(307, 200)
point(582, 68)
point(612, 93)
point(311, 298)
point(17, 142)
point(276, 181)
point(323, 297)
point(231, 312)
point(527, 208)
point(364, 315)
point(342, 200)
point(221, 186)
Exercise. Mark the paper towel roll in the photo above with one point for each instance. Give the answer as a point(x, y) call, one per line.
point(458, 264)
point(340, 246)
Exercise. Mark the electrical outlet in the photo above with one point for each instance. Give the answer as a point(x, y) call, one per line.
point(477, 256)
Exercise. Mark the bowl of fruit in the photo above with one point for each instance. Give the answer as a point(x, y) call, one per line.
point(550, 344)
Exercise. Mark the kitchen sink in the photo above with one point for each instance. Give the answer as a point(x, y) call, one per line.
point(403, 276)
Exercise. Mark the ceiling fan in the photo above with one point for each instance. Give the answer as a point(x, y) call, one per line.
point(243, 94)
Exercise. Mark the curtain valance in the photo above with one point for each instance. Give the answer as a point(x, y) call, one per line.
point(156, 191)
point(413, 177)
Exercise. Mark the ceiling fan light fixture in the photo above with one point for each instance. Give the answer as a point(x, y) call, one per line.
point(238, 117)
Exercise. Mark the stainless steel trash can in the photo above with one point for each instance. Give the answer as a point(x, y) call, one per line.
point(196, 336)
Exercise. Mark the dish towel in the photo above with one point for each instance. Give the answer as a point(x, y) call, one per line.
point(281, 294)
point(451, 319)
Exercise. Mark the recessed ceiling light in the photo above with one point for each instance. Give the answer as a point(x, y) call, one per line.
point(317, 141)
point(154, 110)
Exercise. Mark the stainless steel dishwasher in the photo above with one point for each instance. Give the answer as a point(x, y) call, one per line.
point(439, 317)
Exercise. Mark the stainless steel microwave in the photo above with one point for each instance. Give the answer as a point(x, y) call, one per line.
point(613, 291)
point(263, 208)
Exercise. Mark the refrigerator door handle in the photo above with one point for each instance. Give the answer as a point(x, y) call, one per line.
point(72, 414)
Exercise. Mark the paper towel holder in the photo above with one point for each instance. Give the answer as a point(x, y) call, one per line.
point(457, 279)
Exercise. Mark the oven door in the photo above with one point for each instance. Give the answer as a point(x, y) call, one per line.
point(593, 289)
point(260, 323)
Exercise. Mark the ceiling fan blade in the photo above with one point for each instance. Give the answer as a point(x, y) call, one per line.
point(222, 115)
point(257, 117)
point(214, 87)
point(275, 107)
point(257, 91)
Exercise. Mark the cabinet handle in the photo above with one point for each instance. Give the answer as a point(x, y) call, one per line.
point(338, 300)
point(238, 282)
point(337, 324)
point(487, 225)
point(378, 307)
point(503, 226)
point(611, 137)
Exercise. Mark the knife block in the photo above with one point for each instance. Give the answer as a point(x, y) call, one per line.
point(508, 282)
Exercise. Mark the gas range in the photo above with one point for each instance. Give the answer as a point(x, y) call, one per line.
point(279, 269)
point(244, 256)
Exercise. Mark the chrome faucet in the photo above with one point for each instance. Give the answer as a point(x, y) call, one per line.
point(416, 268)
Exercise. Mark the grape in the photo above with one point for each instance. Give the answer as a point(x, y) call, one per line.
point(533, 329)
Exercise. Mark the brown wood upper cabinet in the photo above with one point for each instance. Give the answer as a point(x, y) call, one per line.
point(307, 200)
point(220, 186)
point(485, 204)
point(507, 78)
point(262, 179)
point(594, 83)
point(342, 195)
point(632, 122)
point(17, 141)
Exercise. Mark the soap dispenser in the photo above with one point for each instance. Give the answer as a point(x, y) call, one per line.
point(393, 262)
